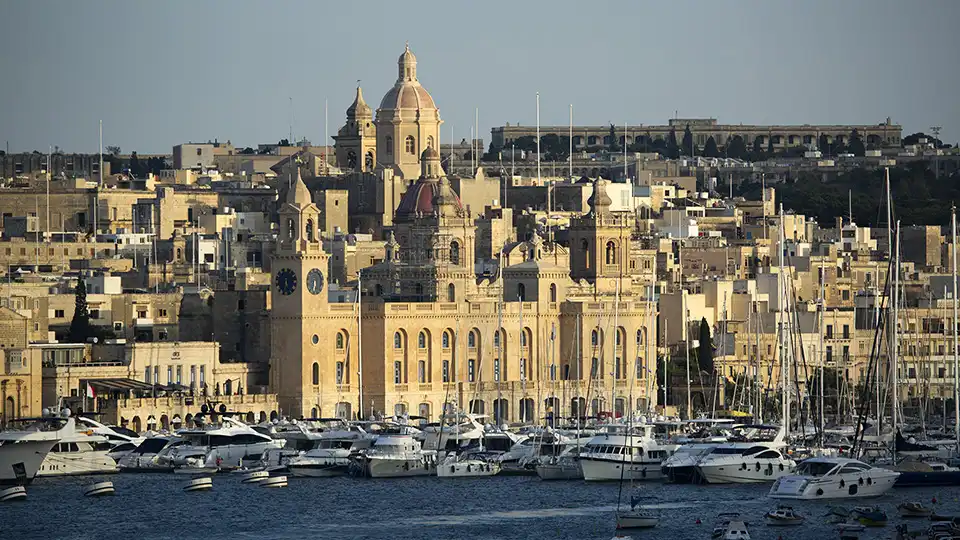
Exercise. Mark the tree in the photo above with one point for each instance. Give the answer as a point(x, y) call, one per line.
point(758, 148)
point(705, 348)
point(113, 150)
point(687, 140)
point(673, 150)
point(247, 151)
point(823, 144)
point(856, 144)
point(710, 148)
point(80, 325)
point(283, 142)
point(737, 148)
point(135, 165)
point(527, 143)
point(614, 146)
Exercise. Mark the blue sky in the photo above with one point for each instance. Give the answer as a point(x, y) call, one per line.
point(167, 72)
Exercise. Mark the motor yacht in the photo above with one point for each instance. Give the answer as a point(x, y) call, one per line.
point(26, 443)
point(224, 446)
point(395, 455)
point(77, 453)
point(635, 450)
point(465, 467)
point(681, 467)
point(565, 466)
point(745, 463)
point(834, 478)
point(331, 453)
point(152, 455)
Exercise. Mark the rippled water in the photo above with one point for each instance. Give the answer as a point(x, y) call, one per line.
point(153, 506)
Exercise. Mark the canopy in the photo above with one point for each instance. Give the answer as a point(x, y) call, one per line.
point(113, 385)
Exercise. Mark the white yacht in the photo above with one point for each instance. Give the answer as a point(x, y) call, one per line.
point(331, 453)
point(636, 451)
point(465, 467)
point(681, 466)
point(80, 452)
point(149, 456)
point(221, 446)
point(745, 463)
point(834, 478)
point(24, 447)
point(396, 455)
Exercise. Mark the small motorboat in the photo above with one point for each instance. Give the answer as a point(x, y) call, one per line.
point(871, 516)
point(850, 526)
point(784, 515)
point(940, 517)
point(636, 519)
point(15, 493)
point(99, 489)
point(914, 510)
point(730, 527)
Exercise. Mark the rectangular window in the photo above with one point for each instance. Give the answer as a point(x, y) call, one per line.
point(58, 313)
point(912, 373)
point(470, 371)
point(146, 375)
point(156, 374)
point(446, 371)
point(523, 369)
point(339, 372)
point(421, 371)
point(161, 313)
point(202, 377)
point(846, 352)
point(829, 331)
point(553, 372)
point(616, 363)
point(846, 331)
point(179, 374)
point(169, 374)
point(496, 370)
point(396, 373)
point(94, 313)
point(829, 353)
point(162, 335)
point(193, 375)
point(142, 314)
point(845, 294)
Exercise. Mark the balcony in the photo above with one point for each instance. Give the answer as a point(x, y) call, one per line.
point(401, 388)
point(425, 387)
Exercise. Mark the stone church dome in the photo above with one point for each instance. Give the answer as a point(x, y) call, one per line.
point(407, 93)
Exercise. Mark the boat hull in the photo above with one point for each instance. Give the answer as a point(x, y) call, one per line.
point(851, 487)
point(467, 469)
point(601, 470)
point(728, 474)
point(631, 520)
point(928, 479)
point(319, 470)
point(682, 474)
point(398, 468)
point(553, 471)
point(20, 462)
point(77, 464)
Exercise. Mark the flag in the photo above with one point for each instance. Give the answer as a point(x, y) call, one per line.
point(90, 392)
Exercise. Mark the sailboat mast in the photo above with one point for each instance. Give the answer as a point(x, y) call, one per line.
point(781, 335)
point(820, 350)
point(956, 345)
point(894, 345)
point(360, 349)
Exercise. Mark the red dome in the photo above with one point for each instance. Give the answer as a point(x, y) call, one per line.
point(425, 196)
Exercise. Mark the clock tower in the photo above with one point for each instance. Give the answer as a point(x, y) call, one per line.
point(298, 290)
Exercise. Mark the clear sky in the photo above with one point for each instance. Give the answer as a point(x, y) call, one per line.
point(161, 73)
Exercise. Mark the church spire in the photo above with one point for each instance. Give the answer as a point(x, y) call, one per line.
point(298, 194)
point(359, 107)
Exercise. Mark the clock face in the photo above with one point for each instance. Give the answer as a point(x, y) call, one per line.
point(286, 281)
point(315, 281)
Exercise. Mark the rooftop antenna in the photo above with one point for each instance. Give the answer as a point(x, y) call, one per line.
point(476, 141)
point(290, 140)
point(326, 146)
point(96, 190)
point(571, 142)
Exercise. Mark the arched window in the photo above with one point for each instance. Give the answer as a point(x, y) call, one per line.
point(594, 338)
point(422, 340)
point(611, 257)
point(316, 373)
point(640, 336)
point(445, 340)
point(454, 252)
point(523, 338)
point(369, 160)
point(522, 292)
point(553, 292)
point(397, 341)
point(389, 144)
point(410, 145)
point(340, 340)
point(291, 229)
point(421, 371)
point(310, 230)
point(472, 339)
point(639, 367)
point(430, 141)
point(451, 293)
point(496, 339)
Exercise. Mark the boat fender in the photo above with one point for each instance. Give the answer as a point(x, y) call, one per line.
point(842, 483)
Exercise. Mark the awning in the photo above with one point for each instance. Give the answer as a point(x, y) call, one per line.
point(114, 385)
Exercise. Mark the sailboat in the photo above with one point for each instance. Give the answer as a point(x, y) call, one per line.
point(636, 517)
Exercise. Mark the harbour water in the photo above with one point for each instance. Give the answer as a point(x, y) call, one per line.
point(153, 506)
